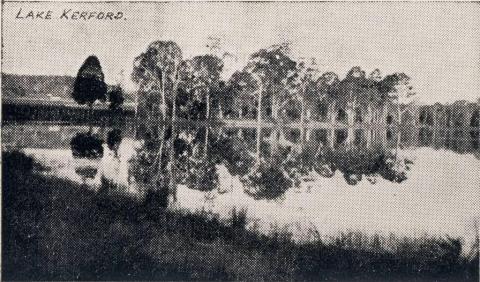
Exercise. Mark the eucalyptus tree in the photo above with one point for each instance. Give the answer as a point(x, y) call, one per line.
point(304, 84)
point(350, 90)
point(373, 98)
point(201, 78)
point(156, 72)
point(246, 87)
point(327, 85)
point(397, 88)
point(273, 67)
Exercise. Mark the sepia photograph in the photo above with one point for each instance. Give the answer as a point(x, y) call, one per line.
point(240, 141)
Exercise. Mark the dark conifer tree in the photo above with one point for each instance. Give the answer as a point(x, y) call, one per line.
point(90, 85)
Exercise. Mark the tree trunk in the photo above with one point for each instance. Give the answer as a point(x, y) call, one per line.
point(136, 105)
point(274, 109)
point(259, 107)
point(368, 116)
point(162, 106)
point(208, 105)
point(302, 114)
point(350, 114)
point(276, 138)
point(350, 137)
point(259, 132)
point(220, 111)
point(206, 141)
point(331, 112)
point(172, 187)
point(331, 138)
point(384, 115)
point(174, 109)
point(174, 99)
point(369, 138)
point(159, 173)
point(399, 114)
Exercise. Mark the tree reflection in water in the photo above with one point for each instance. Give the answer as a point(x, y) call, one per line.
point(268, 162)
point(114, 139)
point(86, 145)
point(86, 172)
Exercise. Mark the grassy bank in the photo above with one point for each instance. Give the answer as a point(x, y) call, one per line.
point(57, 112)
point(56, 229)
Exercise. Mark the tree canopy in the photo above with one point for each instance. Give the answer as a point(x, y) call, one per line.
point(156, 72)
point(271, 83)
point(89, 85)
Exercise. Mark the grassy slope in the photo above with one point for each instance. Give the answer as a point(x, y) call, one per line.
point(55, 229)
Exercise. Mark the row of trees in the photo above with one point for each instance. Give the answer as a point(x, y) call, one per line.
point(271, 84)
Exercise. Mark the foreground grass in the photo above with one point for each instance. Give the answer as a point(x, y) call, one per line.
point(58, 230)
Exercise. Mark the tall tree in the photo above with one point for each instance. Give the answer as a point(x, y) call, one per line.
point(398, 89)
point(303, 85)
point(201, 77)
point(156, 71)
point(373, 98)
point(274, 68)
point(247, 87)
point(89, 84)
point(349, 91)
point(327, 85)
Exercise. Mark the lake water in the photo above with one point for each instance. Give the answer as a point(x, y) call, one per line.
point(313, 182)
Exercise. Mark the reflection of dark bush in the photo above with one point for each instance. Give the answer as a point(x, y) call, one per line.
point(86, 172)
point(352, 178)
point(393, 169)
point(85, 145)
point(181, 147)
point(268, 182)
point(325, 170)
point(232, 154)
point(202, 176)
point(340, 136)
point(114, 138)
point(393, 176)
point(238, 219)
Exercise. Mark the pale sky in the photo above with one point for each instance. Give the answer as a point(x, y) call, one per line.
point(437, 44)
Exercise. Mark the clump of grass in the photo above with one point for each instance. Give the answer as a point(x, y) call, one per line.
point(238, 218)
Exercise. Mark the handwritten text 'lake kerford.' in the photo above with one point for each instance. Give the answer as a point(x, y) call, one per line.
point(69, 14)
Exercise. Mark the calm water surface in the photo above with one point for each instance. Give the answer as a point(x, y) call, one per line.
point(313, 182)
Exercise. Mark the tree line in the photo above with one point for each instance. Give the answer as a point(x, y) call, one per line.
point(272, 86)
